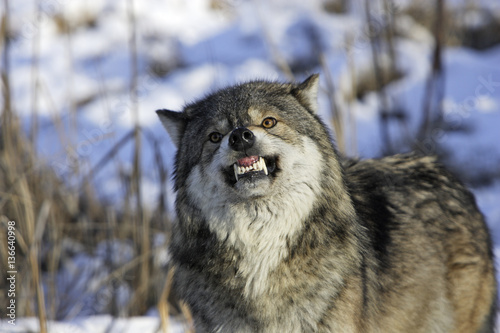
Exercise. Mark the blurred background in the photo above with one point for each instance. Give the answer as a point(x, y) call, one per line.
point(85, 165)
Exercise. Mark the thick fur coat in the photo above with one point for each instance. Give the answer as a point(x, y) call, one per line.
point(276, 234)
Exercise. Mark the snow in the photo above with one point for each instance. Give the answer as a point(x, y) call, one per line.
point(94, 324)
point(85, 75)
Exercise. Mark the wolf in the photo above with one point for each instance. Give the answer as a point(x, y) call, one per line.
point(277, 232)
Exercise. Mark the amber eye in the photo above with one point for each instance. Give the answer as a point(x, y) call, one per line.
point(215, 137)
point(269, 122)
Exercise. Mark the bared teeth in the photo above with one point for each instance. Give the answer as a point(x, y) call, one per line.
point(263, 165)
point(258, 165)
point(235, 167)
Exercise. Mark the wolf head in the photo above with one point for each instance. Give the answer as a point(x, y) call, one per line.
point(254, 164)
point(254, 140)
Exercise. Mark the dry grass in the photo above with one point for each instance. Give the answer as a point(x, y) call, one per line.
point(48, 211)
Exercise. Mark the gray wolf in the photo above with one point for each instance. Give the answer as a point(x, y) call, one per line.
point(277, 233)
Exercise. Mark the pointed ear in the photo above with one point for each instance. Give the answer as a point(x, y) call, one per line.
point(307, 93)
point(174, 123)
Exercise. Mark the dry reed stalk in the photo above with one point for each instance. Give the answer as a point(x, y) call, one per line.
point(350, 112)
point(34, 258)
point(379, 80)
point(7, 118)
point(160, 216)
point(163, 307)
point(35, 56)
point(143, 232)
point(188, 316)
point(390, 8)
point(335, 111)
point(72, 104)
point(434, 87)
point(55, 237)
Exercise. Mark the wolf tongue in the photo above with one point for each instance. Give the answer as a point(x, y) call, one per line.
point(247, 161)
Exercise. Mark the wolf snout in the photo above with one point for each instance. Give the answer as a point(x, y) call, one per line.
point(241, 139)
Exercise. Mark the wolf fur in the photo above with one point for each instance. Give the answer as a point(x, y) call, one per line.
point(317, 244)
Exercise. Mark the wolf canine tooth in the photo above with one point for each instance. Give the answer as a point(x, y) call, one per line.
point(235, 167)
point(262, 164)
point(258, 165)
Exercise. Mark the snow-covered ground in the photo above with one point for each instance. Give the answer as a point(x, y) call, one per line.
point(84, 79)
point(94, 324)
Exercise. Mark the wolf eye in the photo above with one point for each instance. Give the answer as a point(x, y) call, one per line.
point(215, 137)
point(269, 122)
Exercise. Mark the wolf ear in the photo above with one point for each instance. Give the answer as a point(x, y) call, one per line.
point(307, 93)
point(174, 123)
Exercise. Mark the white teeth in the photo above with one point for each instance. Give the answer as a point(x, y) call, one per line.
point(236, 171)
point(263, 166)
point(259, 165)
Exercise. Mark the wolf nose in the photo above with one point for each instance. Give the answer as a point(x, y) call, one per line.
point(241, 139)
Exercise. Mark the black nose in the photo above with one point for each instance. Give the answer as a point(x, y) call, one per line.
point(241, 139)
